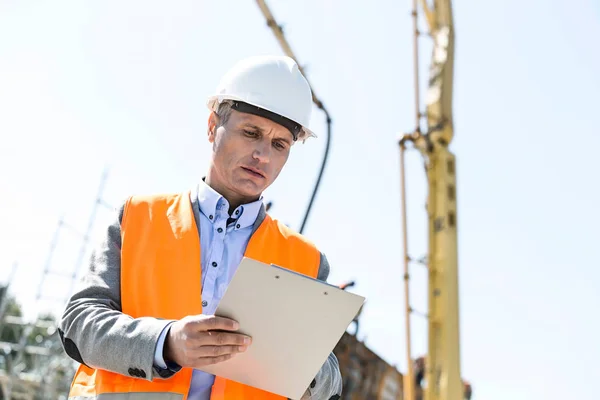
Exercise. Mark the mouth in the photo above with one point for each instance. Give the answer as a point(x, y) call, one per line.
point(254, 172)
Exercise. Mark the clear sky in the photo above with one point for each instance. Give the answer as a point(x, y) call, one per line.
point(84, 84)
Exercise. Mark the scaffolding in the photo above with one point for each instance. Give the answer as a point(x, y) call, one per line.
point(33, 364)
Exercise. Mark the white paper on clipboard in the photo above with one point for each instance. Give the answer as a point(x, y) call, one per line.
point(295, 322)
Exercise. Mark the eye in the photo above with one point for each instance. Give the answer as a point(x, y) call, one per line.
point(250, 133)
point(278, 145)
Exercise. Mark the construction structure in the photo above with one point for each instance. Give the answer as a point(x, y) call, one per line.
point(32, 360)
point(440, 368)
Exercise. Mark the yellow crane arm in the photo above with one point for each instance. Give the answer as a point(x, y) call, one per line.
point(443, 374)
point(439, 92)
point(443, 358)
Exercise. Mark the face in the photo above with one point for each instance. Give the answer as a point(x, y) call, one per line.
point(248, 154)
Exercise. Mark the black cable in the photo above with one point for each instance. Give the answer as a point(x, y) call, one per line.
point(278, 31)
point(318, 182)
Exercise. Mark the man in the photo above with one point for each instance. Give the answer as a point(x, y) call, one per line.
point(143, 320)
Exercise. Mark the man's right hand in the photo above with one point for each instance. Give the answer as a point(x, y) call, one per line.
point(199, 340)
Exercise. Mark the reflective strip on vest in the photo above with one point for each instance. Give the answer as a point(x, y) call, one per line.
point(131, 396)
point(157, 233)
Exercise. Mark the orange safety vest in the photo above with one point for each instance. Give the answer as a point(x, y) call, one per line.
point(160, 277)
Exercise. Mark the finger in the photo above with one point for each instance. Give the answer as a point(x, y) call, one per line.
point(223, 339)
point(212, 360)
point(216, 351)
point(216, 323)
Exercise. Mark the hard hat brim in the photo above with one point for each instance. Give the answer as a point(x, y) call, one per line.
point(214, 101)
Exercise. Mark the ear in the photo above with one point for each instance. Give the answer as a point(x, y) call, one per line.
point(212, 126)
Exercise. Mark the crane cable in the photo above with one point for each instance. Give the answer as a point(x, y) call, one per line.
point(278, 32)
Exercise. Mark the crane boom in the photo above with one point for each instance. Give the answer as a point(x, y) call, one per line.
point(442, 372)
point(443, 359)
point(439, 93)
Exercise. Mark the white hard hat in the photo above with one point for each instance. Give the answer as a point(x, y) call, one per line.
point(269, 86)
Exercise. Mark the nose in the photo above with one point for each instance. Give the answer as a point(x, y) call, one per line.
point(262, 151)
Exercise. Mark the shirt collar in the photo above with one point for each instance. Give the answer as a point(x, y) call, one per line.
point(215, 207)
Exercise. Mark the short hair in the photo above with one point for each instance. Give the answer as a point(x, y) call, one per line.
point(224, 112)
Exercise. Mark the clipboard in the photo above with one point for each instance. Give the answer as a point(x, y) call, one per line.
point(295, 322)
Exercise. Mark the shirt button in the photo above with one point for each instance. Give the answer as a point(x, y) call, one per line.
point(204, 303)
point(210, 217)
point(220, 230)
point(238, 226)
point(237, 212)
point(214, 264)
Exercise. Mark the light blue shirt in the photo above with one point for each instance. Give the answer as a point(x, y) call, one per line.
point(222, 249)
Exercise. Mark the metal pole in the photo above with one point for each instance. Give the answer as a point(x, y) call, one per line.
point(409, 384)
point(409, 389)
point(88, 232)
point(416, 67)
point(49, 257)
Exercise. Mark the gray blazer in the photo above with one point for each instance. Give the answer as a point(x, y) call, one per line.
point(95, 332)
